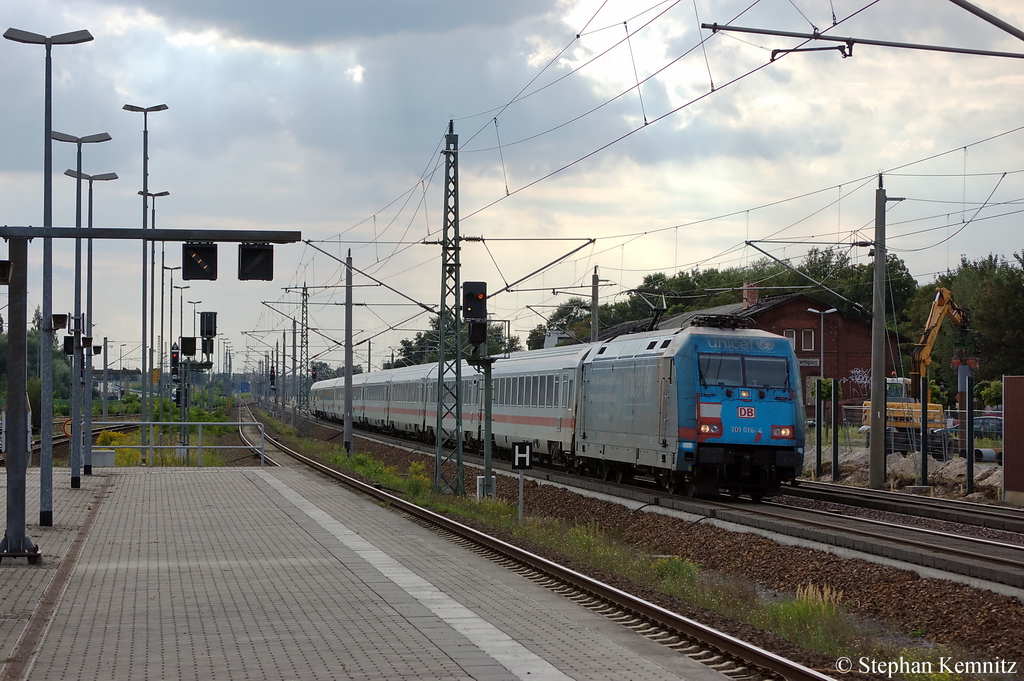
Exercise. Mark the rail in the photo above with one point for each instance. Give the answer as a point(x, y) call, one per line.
point(183, 450)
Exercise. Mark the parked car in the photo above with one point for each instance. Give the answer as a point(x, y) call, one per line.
point(985, 427)
point(988, 427)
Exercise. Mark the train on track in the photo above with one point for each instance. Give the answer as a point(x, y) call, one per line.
point(708, 408)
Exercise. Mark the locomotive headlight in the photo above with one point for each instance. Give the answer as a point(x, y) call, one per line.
point(705, 428)
point(745, 394)
point(782, 432)
point(710, 428)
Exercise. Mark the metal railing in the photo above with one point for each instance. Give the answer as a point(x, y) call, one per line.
point(183, 450)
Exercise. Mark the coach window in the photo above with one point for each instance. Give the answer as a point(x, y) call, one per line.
point(542, 392)
point(555, 401)
point(807, 339)
point(549, 400)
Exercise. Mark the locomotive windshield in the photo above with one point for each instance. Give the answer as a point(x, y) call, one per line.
point(733, 371)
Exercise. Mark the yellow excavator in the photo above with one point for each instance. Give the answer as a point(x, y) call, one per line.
point(903, 395)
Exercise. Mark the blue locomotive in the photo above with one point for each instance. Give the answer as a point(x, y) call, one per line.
point(703, 409)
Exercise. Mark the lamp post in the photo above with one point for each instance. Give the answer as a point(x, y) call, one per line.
point(87, 356)
point(181, 306)
point(46, 341)
point(152, 307)
point(121, 390)
point(78, 358)
point(147, 379)
point(170, 331)
point(821, 366)
point(193, 303)
point(821, 344)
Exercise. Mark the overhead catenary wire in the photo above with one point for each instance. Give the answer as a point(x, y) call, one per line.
point(644, 233)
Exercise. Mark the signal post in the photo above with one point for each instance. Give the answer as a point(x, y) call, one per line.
point(474, 311)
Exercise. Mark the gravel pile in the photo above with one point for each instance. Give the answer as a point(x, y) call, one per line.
point(983, 624)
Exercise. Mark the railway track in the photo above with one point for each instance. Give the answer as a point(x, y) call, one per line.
point(961, 512)
point(951, 549)
point(723, 652)
point(59, 440)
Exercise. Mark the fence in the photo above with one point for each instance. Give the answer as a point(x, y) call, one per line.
point(943, 442)
point(183, 451)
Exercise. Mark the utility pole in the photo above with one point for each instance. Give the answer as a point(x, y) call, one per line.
point(449, 350)
point(295, 376)
point(348, 354)
point(304, 382)
point(879, 336)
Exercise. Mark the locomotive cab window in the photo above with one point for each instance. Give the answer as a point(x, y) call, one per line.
point(721, 370)
point(732, 371)
point(766, 372)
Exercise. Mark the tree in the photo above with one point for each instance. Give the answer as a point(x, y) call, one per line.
point(422, 348)
point(569, 317)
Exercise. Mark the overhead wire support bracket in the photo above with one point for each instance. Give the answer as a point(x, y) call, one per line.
point(849, 41)
point(424, 306)
point(844, 50)
point(785, 264)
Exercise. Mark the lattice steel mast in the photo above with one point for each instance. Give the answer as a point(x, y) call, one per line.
point(302, 398)
point(449, 347)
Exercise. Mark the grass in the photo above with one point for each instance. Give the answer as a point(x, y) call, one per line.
point(132, 456)
point(813, 617)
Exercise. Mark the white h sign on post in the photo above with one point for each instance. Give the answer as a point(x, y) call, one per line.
point(521, 452)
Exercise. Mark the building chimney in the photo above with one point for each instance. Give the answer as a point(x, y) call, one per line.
point(750, 296)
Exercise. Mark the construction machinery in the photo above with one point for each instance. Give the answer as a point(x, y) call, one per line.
point(903, 395)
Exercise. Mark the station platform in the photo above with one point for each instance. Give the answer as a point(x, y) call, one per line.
point(278, 573)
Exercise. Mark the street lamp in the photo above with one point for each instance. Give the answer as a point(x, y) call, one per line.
point(821, 343)
point(170, 315)
point(78, 358)
point(122, 390)
point(181, 305)
point(14, 532)
point(147, 381)
point(821, 349)
point(160, 345)
point(79, 176)
point(193, 303)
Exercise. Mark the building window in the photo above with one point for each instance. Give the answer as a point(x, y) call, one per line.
point(807, 342)
point(790, 335)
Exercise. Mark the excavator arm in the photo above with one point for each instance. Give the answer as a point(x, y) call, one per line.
point(942, 307)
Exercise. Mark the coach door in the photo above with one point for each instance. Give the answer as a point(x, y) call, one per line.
point(582, 411)
point(666, 403)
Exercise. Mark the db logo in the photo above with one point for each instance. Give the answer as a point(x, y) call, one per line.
point(746, 412)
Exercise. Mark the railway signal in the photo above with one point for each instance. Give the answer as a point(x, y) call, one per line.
point(199, 261)
point(474, 310)
point(175, 361)
point(474, 300)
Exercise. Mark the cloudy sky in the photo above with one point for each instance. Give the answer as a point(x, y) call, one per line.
point(328, 117)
